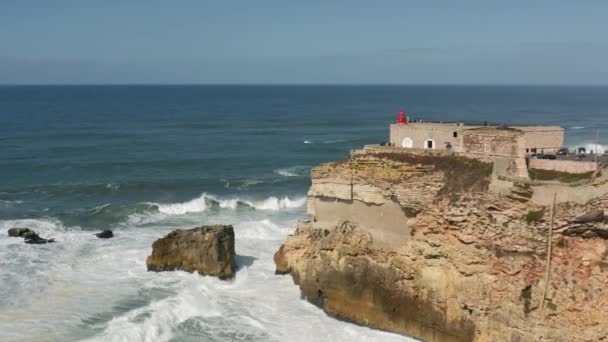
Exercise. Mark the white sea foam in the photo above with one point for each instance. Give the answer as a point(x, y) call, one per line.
point(590, 146)
point(205, 201)
point(99, 208)
point(195, 205)
point(112, 186)
point(86, 288)
point(9, 203)
point(597, 148)
point(44, 227)
point(294, 171)
point(577, 127)
point(334, 141)
point(275, 203)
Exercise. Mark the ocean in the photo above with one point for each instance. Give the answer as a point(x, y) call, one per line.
point(144, 160)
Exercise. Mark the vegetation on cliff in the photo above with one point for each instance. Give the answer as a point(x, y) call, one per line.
point(462, 174)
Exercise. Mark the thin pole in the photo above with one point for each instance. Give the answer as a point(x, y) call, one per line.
point(549, 251)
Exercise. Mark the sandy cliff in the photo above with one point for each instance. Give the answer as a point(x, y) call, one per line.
point(418, 245)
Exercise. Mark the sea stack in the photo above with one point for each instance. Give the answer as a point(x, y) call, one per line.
point(208, 250)
point(467, 243)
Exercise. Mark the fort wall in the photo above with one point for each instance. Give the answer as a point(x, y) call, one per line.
point(418, 135)
point(569, 166)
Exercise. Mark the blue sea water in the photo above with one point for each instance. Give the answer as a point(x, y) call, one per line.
point(143, 160)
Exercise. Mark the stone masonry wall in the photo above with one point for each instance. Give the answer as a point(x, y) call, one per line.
point(569, 166)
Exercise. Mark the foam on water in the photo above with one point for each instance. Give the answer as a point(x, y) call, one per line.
point(84, 288)
point(590, 146)
point(294, 171)
point(205, 201)
point(194, 205)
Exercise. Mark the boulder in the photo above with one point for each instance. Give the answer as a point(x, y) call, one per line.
point(106, 234)
point(282, 266)
point(208, 250)
point(591, 216)
point(29, 236)
point(20, 232)
point(34, 239)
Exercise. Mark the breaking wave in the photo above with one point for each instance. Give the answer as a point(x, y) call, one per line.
point(205, 202)
point(294, 171)
point(45, 227)
point(326, 141)
point(590, 146)
point(577, 127)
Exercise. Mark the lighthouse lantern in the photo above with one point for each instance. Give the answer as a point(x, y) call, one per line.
point(401, 119)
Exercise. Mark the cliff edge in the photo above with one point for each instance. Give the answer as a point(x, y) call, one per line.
point(417, 244)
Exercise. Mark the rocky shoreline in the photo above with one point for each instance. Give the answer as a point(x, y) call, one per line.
point(472, 265)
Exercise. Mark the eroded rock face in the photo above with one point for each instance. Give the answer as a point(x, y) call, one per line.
point(208, 250)
point(591, 216)
point(473, 268)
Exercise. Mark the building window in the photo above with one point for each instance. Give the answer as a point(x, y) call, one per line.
point(429, 143)
point(487, 148)
point(455, 134)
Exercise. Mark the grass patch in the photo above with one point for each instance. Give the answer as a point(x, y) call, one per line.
point(534, 216)
point(563, 177)
point(551, 306)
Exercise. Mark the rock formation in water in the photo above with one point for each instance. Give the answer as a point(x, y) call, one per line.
point(29, 236)
point(106, 234)
point(208, 250)
point(417, 244)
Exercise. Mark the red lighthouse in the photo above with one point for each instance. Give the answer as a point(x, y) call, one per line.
point(401, 119)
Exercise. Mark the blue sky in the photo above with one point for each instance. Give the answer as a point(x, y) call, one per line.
point(312, 41)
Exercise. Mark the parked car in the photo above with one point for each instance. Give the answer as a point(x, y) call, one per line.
point(546, 156)
point(562, 151)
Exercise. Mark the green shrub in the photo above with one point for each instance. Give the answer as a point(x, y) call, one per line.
point(534, 216)
point(563, 177)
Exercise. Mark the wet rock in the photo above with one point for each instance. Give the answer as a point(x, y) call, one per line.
point(591, 216)
point(106, 234)
point(30, 236)
point(208, 250)
point(20, 232)
point(282, 267)
point(34, 239)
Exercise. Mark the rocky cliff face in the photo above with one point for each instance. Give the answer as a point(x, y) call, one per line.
point(472, 266)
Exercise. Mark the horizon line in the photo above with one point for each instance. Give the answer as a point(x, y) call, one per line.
point(246, 84)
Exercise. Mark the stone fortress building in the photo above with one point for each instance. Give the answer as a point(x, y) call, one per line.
point(509, 148)
point(490, 140)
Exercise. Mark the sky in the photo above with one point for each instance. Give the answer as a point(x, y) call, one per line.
point(303, 42)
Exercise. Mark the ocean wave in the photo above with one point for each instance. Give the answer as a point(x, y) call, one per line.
point(326, 141)
point(46, 227)
point(577, 127)
point(294, 171)
point(205, 202)
point(10, 203)
point(334, 141)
